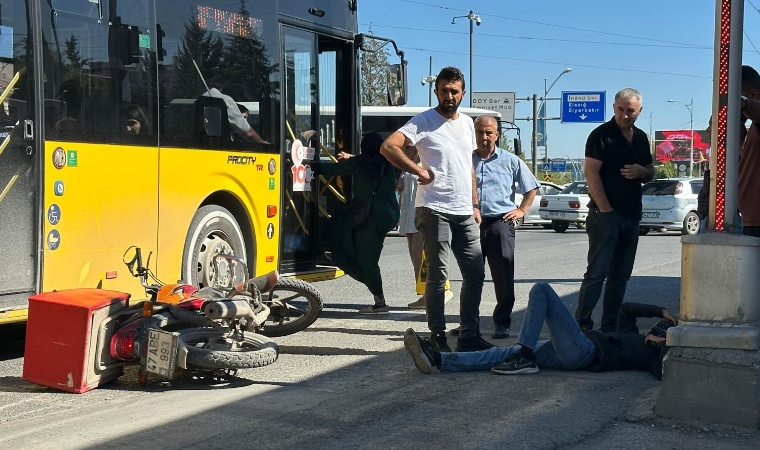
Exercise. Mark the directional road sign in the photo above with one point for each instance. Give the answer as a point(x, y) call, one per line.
point(503, 102)
point(554, 166)
point(559, 166)
point(583, 107)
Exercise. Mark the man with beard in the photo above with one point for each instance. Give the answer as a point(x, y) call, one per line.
point(618, 161)
point(446, 209)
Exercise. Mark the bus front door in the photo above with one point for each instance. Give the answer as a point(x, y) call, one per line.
point(19, 172)
point(299, 203)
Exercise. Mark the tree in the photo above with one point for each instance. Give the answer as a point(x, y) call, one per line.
point(197, 45)
point(665, 170)
point(246, 66)
point(374, 73)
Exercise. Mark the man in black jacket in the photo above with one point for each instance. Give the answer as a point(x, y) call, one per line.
point(569, 349)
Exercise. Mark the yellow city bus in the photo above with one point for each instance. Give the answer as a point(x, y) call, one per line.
point(123, 123)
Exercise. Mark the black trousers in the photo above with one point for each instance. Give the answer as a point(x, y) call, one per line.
point(497, 239)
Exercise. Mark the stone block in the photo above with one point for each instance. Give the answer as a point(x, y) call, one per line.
point(711, 385)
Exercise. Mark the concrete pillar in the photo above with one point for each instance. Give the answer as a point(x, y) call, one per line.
point(712, 371)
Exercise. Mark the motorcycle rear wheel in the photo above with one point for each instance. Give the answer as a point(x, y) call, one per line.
point(294, 305)
point(213, 349)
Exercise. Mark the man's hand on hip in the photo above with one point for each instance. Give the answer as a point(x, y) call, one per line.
point(514, 215)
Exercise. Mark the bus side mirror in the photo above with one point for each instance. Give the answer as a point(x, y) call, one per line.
point(397, 86)
point(518, 146)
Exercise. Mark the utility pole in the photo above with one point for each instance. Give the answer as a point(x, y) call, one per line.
point(430, 75)
point(431, 80)
point(472, 17)
point(533, 142)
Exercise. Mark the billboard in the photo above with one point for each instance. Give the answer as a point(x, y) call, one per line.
point(672, 146)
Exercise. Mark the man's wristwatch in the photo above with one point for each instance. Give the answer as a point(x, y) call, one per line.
point(745, 100)
point(476, 206)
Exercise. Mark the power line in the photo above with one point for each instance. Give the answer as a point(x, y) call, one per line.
point(531, 38)
point(565, 64)
point(750, 41)
point(532, 22)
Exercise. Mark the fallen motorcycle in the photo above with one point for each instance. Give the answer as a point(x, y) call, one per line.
point(213, 329)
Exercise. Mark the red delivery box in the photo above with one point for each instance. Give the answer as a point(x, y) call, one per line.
point(67, 336)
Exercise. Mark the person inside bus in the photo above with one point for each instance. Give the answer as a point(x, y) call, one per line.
point(134, 121)
point(238, 123)
point(244, 111)
point(358, 231)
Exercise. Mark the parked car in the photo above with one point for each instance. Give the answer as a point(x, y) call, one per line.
point(532, 217)
point(569, 206)
point(671, 204)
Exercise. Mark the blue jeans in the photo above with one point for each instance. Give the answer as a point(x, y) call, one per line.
point(568, 349)
point(612, 242)
point(443, 234)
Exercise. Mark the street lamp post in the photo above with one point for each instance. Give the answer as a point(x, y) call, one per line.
point(542, 109)
point(472, 17)
point(651, 136)
point(690, 107)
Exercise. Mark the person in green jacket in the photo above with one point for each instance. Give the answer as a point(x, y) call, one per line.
point(356, 249)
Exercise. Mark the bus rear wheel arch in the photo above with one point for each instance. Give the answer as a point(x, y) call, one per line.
point(214, 229)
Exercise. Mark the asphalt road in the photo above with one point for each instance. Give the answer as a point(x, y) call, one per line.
point(347, 382)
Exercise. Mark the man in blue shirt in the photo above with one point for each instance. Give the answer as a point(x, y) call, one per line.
point(497, 173)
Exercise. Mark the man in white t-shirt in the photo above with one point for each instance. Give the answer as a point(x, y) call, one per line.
point(447, 214)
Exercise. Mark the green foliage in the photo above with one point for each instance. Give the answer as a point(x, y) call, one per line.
point(374, 73)
point(556, 177)
point(665, 170)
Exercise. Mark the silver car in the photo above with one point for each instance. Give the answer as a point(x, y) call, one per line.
point(671, 204)
point(532, 217)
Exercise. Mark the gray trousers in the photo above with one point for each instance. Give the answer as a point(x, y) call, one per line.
point(443, 234)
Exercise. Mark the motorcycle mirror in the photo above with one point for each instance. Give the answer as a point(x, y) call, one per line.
point(130, 259)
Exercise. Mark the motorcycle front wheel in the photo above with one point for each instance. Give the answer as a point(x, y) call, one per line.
point(215, 349)
point(293, 305)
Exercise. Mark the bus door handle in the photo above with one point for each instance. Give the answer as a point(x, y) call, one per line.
point(28, 129)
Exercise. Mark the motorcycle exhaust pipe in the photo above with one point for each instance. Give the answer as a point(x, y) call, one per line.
point(227, 309)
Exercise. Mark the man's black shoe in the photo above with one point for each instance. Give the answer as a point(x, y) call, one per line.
point(422, 352)
point(455, 331)
point(500, 332)
point(472, 344)
point(439, 343)
point(516, 365)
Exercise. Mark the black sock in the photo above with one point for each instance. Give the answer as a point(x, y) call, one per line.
point(526, 353)
point(436, 358)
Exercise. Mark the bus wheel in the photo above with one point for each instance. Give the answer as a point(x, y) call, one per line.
point(213, 230)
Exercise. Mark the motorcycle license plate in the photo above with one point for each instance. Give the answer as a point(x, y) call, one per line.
point(161, 354)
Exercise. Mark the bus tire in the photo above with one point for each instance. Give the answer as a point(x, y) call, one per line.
point(213, 230)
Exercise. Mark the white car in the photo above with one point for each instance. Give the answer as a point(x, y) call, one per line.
point(570, 206)
point(532, 217)
point(671, 204)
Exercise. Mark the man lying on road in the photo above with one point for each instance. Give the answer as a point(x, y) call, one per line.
point(569, 349)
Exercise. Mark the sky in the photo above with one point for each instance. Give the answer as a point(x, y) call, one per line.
point(664, 49)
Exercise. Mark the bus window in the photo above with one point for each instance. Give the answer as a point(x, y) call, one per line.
point(215, 61)
point(99, 76)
